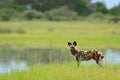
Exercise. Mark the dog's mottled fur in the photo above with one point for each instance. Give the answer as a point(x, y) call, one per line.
point(85, 55)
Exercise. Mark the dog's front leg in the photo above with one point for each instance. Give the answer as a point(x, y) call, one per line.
point(78, 60)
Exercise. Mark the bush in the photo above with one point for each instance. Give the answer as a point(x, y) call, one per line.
point(20, 31)
point(97, 16)
point(32, 14)
point(5, 30)
point(61, 13)
point(6, 14)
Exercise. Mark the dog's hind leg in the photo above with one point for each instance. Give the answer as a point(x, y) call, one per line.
point(99, 63)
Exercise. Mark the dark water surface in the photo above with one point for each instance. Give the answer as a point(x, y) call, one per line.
point(12, 59)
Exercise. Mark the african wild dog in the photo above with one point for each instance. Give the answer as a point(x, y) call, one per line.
point(85, 55)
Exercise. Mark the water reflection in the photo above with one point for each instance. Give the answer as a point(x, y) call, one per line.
point(12, 65)
point(9, 57)
point(112, 57)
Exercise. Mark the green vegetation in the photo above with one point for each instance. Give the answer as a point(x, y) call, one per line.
point(89, 35)
point(45, 41)
point(62, 10)
point(67, 71)
point(37, 32)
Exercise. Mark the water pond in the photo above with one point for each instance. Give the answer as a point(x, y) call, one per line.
point(13, 59)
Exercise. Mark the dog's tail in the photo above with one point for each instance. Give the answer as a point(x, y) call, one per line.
point(100, 55)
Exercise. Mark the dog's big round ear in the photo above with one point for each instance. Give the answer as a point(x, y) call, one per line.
point(69, 43)
point(75, 43)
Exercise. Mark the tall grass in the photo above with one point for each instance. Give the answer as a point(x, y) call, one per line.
point(34, 56)
point(68, 71)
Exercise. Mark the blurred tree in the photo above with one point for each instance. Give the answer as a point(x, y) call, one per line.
point(81, 6)
point(23, 2)
point(6, 3)
point(91, 7)
point(115, 10)
point(100, 7)
point(45, 5)
point(10, 4)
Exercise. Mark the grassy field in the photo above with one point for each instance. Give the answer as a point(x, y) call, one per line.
point(45, 34)
point(57, 34)
point(68, 71)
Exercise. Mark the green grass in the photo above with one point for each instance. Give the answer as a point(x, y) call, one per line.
point(68, 71)
point(84, 41)
point(66, 28)
point(57, 34)
point(46, 34)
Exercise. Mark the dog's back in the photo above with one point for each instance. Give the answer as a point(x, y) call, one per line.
point(90, 54)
